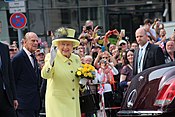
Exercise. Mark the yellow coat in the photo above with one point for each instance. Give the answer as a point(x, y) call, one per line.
point(62, 94)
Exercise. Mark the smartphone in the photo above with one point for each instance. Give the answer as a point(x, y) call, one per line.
point(103, 48)
point(100, 27)
point(123, 31)
point(49, 33)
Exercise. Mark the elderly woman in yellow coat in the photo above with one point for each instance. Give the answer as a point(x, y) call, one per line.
point(62, 94)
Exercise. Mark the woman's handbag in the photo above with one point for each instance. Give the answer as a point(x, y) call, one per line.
point(89, 102)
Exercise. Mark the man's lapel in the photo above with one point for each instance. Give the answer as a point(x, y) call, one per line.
point(29, 64)
point(136, 59)
point(2, 57)
point(146, 54)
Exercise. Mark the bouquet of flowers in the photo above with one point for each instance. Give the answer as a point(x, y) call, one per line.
point(85, 72)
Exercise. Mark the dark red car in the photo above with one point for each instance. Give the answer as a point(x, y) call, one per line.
point(151, 93)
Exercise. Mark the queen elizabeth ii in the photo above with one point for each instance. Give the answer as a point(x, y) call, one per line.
point(62, 94)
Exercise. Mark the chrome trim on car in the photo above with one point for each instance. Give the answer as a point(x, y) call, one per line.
point(131, 98)
point(139, 113)
point(140, 78)
point(159, 73)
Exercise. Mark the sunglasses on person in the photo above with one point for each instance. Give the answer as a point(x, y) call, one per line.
point(105, 57)
point(12, 49)
point(40, 54)
point(80, 48)
point(122, 44)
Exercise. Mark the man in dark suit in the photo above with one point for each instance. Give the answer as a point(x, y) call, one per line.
point(148, 55)
point(27, 77)
point(8, 100)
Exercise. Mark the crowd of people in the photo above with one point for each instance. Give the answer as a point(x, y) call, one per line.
point(40, 78)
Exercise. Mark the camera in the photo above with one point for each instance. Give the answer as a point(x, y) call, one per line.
point(103, 61)
point(88, 28)
point(101, 37)
point(111, 32)
point(120, 48)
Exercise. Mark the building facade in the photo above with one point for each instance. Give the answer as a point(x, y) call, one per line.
point(47, 15)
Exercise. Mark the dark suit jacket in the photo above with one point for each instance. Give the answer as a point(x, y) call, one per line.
point(153, 56)
point(27, 82)
point(7, 73)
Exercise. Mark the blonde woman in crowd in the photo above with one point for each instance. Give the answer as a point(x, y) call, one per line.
point(106, 56)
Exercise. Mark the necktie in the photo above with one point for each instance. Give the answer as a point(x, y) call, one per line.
point(140, 59)
point(36, 68)
point(35, 62)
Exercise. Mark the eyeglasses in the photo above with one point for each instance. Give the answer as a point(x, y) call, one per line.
point(123, 44)
point(40, 54)
point(12, 49)
point(80, 48)
point(105, 57)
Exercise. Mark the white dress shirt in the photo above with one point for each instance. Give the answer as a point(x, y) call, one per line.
point(140, 68)
point(28, 54)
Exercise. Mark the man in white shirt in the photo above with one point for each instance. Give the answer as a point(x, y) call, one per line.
point(27, 77)
point(147, 55)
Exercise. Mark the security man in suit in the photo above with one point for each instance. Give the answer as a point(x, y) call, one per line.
point(148, 55)
point(27, 77)
point(8, 100)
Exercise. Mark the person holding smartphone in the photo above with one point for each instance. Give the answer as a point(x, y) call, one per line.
point(104, 55)
point(89, 36)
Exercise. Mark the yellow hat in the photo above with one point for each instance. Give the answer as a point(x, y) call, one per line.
point(65, 34)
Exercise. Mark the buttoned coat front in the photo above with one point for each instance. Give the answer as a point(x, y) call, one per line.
point(62, 93)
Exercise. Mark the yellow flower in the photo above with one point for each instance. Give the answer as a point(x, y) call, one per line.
point(85, 74)
point(86, 71)
point(79, 69)
point(86, 65)
point(79, 73)
point(89, 74)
